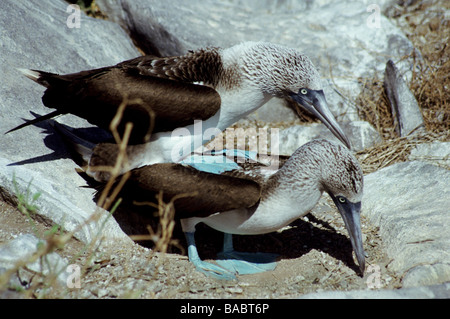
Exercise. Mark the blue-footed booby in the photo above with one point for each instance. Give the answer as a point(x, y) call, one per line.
point(247, 204)
point(215, 86)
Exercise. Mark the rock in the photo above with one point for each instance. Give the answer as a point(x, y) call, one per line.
point(22, 249)
point(360, 133)
point(427, 292)
point(409, 203)
point(424, 275)
point(173, 27)
point(434, 153)
point(36, 35)
point(58, 203)
point(407, 115)
point(340, 37)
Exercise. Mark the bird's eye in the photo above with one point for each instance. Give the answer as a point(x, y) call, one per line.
point(342, 200)
point(304, 91)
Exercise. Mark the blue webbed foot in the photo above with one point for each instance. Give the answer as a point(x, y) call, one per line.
point(247, 263)
point(244, 263)
point(207, 268)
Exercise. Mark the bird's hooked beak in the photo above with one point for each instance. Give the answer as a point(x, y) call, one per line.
point(350, 212)
point(315, 103)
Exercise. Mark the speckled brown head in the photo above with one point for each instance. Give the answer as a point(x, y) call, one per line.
point(323, 166)
point(285, 73)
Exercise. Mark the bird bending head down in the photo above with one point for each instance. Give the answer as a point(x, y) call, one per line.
point(236, 202)
point(316, 167)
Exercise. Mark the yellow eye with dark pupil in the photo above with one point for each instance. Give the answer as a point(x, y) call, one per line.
point(342, 200)
point(304, 91)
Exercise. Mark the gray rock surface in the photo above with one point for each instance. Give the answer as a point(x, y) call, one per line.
point(427, 292)
point(44, 41)
point(23, 248)
point(437, 153)
point(360, 133)
point(62, 201)
point(409, 203)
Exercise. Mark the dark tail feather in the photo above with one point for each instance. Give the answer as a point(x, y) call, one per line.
point(45, 79)
point(36, 120)
point(80, 146)
point(82, 150)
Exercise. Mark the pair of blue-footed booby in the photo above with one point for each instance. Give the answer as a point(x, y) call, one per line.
point(247, 203)
point(217, 87)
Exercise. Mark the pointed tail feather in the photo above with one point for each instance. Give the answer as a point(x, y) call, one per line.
point(31, 74)
point(44, 79)
point(41, 77)
point(81, 146)
point(36, 120)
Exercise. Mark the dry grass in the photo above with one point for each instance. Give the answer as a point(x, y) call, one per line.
point(52, 240)
point(90, 8)
point(41, 285)
point(425, 25)
point(393, 151)
point(162, 236)
point(431, 84)
point(165, 212)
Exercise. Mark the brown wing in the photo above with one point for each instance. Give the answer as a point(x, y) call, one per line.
point(152, 102)
point(204, 193)
point(155, 101)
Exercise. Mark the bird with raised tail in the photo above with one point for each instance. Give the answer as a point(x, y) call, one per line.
point(249, 204)
point(165, 95)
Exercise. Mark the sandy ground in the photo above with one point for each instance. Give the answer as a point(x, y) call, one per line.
point(315, 255)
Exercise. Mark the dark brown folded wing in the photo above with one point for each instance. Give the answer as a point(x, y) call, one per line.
point(152, 104)
point(202, 193)
point(158, 92)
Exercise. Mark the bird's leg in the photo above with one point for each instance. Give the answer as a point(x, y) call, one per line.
point(244, 263)
point(208, 269)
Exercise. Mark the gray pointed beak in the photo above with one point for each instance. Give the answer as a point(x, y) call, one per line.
point(350, 212)
point(315, 103)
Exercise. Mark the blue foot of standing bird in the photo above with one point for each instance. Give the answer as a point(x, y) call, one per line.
point(207, 268)
point(244, 263)
point(218, 162)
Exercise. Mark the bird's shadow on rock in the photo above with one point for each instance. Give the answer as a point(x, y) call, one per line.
point(54, 141)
